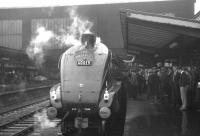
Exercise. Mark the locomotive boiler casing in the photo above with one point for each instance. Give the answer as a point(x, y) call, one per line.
point(87, 89)
point(82, 83)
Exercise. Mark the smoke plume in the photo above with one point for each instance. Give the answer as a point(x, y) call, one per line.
point(69, 36)
point(35, 50)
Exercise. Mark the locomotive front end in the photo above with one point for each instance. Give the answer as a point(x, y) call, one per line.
point(87, 95)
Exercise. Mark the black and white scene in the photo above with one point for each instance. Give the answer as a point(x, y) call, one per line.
point(100, 68)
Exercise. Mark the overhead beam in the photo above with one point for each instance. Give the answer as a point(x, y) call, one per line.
point(166, 46)
point(168, 27)
point(132, 52)
point(142, 48)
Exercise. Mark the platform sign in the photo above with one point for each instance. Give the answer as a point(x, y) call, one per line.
point(84, 58)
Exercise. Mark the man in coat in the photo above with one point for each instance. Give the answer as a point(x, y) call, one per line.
point(175, 87)
point(184, 83)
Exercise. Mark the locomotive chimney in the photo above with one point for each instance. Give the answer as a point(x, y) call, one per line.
point(89, 40)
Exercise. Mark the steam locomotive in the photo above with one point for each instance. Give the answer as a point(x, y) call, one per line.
point(88, 96)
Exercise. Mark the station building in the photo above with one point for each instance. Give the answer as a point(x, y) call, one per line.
point(18, 26)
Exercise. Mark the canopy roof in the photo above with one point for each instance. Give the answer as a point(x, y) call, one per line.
point(146, 33)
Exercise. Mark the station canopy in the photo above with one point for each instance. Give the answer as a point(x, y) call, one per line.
point(148, 35)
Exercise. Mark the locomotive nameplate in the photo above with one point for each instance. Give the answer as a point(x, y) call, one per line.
point(84, 58)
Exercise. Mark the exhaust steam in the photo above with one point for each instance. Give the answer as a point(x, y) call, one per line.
point(71, 36)
point(43, 121)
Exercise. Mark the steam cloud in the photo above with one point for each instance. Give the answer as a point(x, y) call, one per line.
point(36, 48)
point(69, 37)
point(43, 121)
point(76, 29)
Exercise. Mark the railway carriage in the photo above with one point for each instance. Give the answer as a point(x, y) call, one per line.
point(88, 95)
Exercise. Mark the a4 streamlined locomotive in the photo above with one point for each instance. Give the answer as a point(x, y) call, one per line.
point(88, 95)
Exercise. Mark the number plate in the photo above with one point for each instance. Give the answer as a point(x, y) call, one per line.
point(81, 122)
point(84, 63)
point(84, 58)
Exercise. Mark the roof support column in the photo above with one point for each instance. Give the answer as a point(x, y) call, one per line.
point(26, 32)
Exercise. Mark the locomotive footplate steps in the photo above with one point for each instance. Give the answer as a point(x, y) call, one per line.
point(81, 122)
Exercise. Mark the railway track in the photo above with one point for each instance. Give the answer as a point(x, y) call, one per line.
point(24, 124)
point(19, 128)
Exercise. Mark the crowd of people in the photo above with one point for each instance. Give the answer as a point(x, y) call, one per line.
point(16, 77)
point(176, 86)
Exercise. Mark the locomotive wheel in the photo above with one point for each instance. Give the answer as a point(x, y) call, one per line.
point(118, 120)
point(123, 104)
point(103, 128)
point(66, 131)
